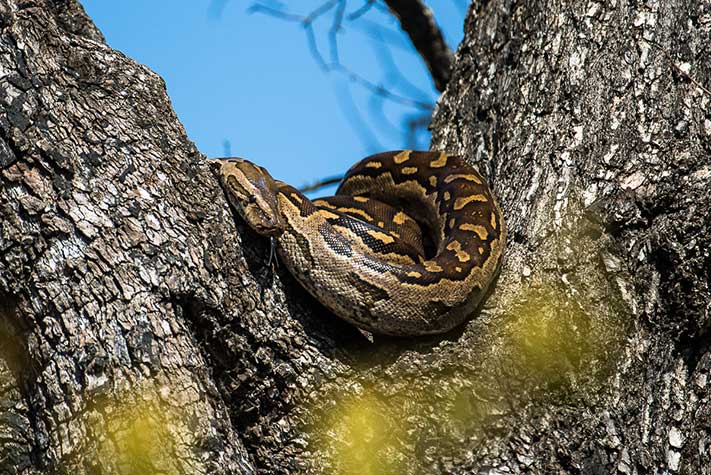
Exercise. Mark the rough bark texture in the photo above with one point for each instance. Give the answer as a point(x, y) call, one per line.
point(102, 257)
point(595, 115)
point(143, 332)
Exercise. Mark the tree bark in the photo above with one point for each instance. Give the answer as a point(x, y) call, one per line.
point(593, 121)
point(105, 249)
point(142, 330)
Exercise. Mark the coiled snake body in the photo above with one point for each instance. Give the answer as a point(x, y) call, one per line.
point(362, 252)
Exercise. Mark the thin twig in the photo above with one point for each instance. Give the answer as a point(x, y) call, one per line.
point(215, 9)
point(392, 72)
point(463, 4)
point(361, 11)
point(413, 125)
point(335, 28)
point(275, 12)
point(381, 90)
point(335, 65)
point(384, 35)
point(313, 48)
point(321, 184)
point(380, 118)
point(362, 127)
point(320, 11)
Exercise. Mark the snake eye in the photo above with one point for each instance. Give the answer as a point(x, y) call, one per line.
point(251, 199)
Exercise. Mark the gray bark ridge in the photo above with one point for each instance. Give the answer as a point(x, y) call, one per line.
point(593, 121)
point(102, 247)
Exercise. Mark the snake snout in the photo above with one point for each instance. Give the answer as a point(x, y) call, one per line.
point(266, 222)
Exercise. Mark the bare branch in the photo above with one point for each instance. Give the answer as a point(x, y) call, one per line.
point(414, 124)
point(335, 28)
point(419, 23)
point(380, 119)
point(463, 4)
point(365, 8)
point(323, 183)
point(335, 65)
point(381, 90)
point(313, 48)
point(392, 72)
point(275, 12)
point(226, 148)
point(362, 10)
point(320, 10)
point(384, 35)
point(331, 63)
point(215, 9)
point(362, 127)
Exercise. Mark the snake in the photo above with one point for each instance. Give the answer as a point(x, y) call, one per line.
point(409, 244)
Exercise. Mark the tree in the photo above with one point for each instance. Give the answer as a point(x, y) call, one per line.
point(143, 332)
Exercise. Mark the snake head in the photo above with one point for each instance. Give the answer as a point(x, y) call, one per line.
point(253, 192)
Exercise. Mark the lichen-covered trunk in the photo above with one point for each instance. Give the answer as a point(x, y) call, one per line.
point(594, 122)
point(142, 331)
point(109, 225)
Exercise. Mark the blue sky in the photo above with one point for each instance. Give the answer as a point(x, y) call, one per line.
point(249, 79)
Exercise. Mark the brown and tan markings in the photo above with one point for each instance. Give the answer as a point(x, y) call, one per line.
point(388, 219)
point(362, 252)
point(461, 176)
point(440, 161)
point(479, 230)
point(401, 157)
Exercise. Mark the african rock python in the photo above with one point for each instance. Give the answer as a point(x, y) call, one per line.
point(362, 253)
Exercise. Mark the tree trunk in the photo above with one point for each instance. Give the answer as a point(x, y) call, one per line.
point(109, 229)
point(143, 331)
point(594, 124)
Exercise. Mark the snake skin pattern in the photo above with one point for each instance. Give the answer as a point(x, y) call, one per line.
point(408, 245)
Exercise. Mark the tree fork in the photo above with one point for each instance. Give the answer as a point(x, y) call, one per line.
point(153, 336)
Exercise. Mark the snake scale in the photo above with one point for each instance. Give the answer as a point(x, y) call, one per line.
point(408, 245)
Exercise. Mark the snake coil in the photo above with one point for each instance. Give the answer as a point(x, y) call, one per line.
point(363, 252)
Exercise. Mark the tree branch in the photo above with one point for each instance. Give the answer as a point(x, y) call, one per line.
point(335, 65)
point(418, 22)
point(323, 183)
